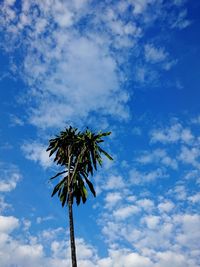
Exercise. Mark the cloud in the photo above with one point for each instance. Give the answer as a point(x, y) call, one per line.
point(158, 156)
point(173, 134)
point(146, 204)
point(112, 199)
point(70, 75)
point(166, 206)
point(85, 80)
point(127, 258)
point(74, 56)
point(22, 252)
point(190, 156)
point(153, 54)
point(16, 121)
point(145, 75)
point(37, 153)
point(33, 251)
point(151, 221)
point(26, 224)
point(10, 176)
point(8, 224)
point(170, 258)
point(179, 192)
point(114, 182)
point(44, 219)
point(159, 242)
point(125, 212)
point(164, 240)
point(51, 234)
point(4, 205)
point(189, 231)
point(194, 198)
point(157, 226)
point(181, 20)
point(138, 177)
point(196, 120)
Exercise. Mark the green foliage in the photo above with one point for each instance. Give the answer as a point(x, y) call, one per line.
point(80, 154)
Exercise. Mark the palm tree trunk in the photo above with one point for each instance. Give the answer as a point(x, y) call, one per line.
point(71, 228)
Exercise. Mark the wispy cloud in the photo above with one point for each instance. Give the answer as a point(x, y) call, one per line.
point(37, 153)
point(172, 134)
point(138, 177)
point(67, 55)
point(158, 156)
point(153, 54)
point(4, 205)
point(10, 176)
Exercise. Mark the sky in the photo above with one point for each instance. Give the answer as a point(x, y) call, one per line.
point(130, 67)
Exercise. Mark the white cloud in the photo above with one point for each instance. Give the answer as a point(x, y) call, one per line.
point(111, 230)
point(179, 192)
point(196, 120)
point(173, 134)
point(4, 205)
point(44, 219)
point(9, 184)
point(10, 2)
point(170, 258)
point(114, 182)
point(145, 75)
point(85, 80)
point(26, 224)
point(23, 252)
point(181, 20)
point(10, 176)
point(8, 224)
point(160, 244)
point(121, 258)
point(125, 212)
point(158, 156)
point(151, 221)
point(51, 234)
point(154, 54)
point(194, 198)
point(159, 55)
point(189, 230)
point(71, 74)
point(112, 199)
point(139, 7)
point(71, 70)
point(138, 177)
point(146, 204)
point(166, 206)
point(190, 156)
point(37, 153)
point(16, 121)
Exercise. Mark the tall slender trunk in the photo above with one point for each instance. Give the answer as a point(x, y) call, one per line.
point(71, 228)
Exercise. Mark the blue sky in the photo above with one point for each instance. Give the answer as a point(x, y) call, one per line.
point(131, 67)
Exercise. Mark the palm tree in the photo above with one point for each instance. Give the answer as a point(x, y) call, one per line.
point(79, 153)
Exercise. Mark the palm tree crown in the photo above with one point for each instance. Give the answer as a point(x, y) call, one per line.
point(80, 154)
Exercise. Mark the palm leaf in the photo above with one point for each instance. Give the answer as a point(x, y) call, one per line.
point(59, 173)
point(90, 186)
point(58, 186)
point(83, 194)
point(105, 153)
point(63, 195)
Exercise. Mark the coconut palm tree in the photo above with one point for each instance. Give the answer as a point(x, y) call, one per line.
point(79, 153)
